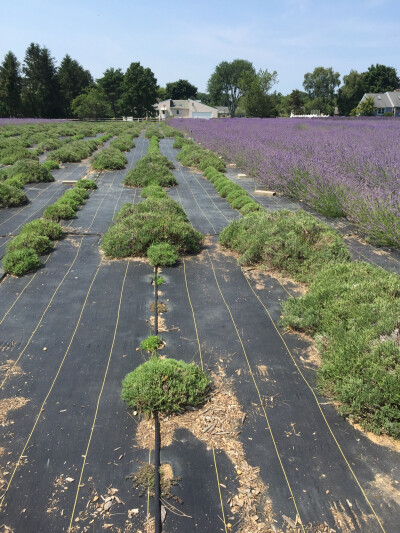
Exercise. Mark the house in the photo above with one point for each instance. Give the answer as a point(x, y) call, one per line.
point(184, 109)
point(388, 102)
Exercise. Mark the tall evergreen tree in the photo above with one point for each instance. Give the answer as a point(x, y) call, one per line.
point(72, 80)
point(139, 91)
point(10, 86)
point(40, 89)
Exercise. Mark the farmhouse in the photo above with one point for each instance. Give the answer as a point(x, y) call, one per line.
point(388, 102)
point(184, 109)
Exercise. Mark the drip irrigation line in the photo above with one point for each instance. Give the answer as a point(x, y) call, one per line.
point(155, 301)
point(157, 437)
point(157, 491)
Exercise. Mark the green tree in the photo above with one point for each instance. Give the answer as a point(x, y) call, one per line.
point(350, 94)
point(365, 107)
point(40, 89)
point(92, 104)
point(162, 93)
point(180, 90)
point(295, 101)
point(72, 79)
point(320, 85)
point(256, 100)
point(10, 86)
point(225, 85)
point(204, 98)
point(111, 83)
point(380, 78)
point(139, 91)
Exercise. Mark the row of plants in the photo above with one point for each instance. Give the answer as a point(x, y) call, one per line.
point(14, 177)
point(37, 237)
point(235, 195)
point(193, 155)
point(351, 308)
point(152, 169)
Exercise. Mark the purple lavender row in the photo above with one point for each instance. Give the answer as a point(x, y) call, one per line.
point(345, 167)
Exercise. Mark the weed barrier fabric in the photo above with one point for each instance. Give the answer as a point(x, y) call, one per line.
point(12, 219)
point(60, 438)
point(317, 472)
point(206, 210)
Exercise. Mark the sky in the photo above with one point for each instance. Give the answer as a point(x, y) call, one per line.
point(180, 39)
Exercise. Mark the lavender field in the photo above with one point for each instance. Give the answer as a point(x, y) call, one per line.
point(340, 167)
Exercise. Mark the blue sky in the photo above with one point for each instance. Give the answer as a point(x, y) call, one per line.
point(187, 39)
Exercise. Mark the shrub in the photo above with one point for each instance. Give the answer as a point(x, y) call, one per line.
point(50, 164)
point(250, 207)
point(19, 262)
point(124, 143)
point(11, 196)
point(150, 222)
point(50, 229)
point(165, 386)
point(152, 169)
point(30, 171)
point(109, 159)
point(239, 202)
point(39, 243)
point(59, 211)
point(295, 243)
point(118, 241)
point(151, 344)
point(14, 182)
point(163, 254)
point(352, 310)
point(153, 191)
point(86, 183)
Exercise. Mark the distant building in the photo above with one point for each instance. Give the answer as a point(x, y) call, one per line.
point(388, 102)
point(184, 109)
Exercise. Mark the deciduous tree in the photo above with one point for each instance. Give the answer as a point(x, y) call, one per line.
point(380, 78)
point(111, 83)
point(320, 85)
point(139, 91)
point(350, 94)
point(180, 90)
point(92, 104)
point(225, 85)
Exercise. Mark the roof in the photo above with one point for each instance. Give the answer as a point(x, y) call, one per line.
point(388, 99)
point(181, 104)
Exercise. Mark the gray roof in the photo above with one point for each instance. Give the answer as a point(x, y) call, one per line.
point(388, 99)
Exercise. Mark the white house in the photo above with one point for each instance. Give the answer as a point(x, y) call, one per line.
point(184, 109)
point(388, 102)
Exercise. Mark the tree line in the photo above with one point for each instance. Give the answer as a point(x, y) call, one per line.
point(40, 88)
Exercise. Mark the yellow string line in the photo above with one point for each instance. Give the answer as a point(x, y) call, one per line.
point(50, 390)
point(258, 393)
point(42, 317)
point(219, 491)
point(98, 399)
point(23, 290)
point(318, 404)
point(193, 315)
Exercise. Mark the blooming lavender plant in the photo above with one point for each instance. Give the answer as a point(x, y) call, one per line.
point(344, 167)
